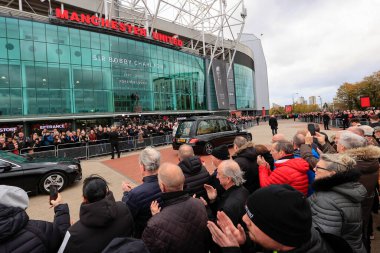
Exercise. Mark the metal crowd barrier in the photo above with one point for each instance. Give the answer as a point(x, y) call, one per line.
point(95, 148)
point(337, 123)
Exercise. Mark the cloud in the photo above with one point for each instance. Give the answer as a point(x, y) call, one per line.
point(312, 47)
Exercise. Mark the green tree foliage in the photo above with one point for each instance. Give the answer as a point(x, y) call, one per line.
point(348, 94)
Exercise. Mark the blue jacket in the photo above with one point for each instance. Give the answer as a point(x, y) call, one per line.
point(139, 200)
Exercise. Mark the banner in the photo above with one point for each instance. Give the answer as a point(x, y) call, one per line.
point(220, 82)
point(288, 108)
point(365, 102)
point(263, 111)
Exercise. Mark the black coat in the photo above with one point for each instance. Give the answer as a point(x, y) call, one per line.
point(98, 224)
point(246, 157)
point(196, 176)
point(113, 136)
point(181, 226)
point(19, 234)
point(232, 202)
point(273, 123)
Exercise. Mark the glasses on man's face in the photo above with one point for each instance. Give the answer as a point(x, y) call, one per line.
point(320, 168)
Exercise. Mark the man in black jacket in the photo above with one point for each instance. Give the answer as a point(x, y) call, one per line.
point(196, 175)
point(114, 140)
point(101, 219)
point(273, 124)
point(181, 225)
point(20, 234)
point(246, 156)
point(233, 199)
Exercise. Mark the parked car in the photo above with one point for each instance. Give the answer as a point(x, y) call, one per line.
point(204, 133)
point(35, 175)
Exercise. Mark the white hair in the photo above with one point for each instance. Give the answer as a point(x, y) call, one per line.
point(350, 140)
point(150, 159)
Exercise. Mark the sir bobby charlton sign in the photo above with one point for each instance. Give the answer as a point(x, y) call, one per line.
point(93, 20)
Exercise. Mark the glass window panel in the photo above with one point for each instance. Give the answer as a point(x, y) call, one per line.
point(13, 47)
point(16, 101)
point(14, 74)
point(86, 78)
point(26, 30)
point(86, 56)
point(123, 45)
point(4, 74)
point(42, 101)
point(77, 75)
point(5, 104)
point(97, 82)
point(74, 37)
point(27, 50)
point(114, 44)
point(51, 34)
point(63, 35)
point(41, 75)
point(12, 28)
point(106, 74)
point(40, 51)
point(104, 42)
point(54, 76)
point(53, 52)
point(96, 58)
point(95, 40)
point(39, 32)
point(64, 76)
point(3, 48)
point(55, 101)
point(105, 59)
point(85, 39)
point(3, 32)
point(31, 101)
point(30, 76)
point(64, 54)
point(66, 101)
point(76, 55)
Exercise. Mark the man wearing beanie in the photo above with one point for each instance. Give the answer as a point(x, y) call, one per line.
point(218, 155)
point(19, 234)
point(282, 224)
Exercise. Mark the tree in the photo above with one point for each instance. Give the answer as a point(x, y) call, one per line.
point(348, 94)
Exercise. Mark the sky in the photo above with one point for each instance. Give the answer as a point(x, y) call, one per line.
point(313, 46)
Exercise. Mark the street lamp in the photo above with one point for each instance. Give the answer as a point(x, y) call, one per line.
point(320, 99)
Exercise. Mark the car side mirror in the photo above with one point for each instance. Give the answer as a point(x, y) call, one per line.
point(5, 167)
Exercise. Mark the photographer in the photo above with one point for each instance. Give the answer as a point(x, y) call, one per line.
point(20, 234)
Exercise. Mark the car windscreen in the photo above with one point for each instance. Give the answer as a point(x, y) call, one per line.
point(12, 157)
point(184, 128)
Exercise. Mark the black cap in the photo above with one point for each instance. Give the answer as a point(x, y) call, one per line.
point(282, 213)
point(221, 152)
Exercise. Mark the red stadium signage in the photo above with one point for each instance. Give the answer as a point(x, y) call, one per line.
point(365, 102)
point(93, 20)
point(288, 108)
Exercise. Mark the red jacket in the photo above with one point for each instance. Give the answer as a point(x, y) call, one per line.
point(291, 172)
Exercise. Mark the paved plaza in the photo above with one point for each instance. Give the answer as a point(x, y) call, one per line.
point(126, 169)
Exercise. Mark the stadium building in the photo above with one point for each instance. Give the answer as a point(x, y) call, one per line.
point(69, 63)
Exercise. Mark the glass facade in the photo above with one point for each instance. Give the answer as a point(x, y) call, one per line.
point(244, 87)
point(52, 70)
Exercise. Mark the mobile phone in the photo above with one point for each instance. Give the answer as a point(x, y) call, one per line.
point(311, 128)
point(53, 189)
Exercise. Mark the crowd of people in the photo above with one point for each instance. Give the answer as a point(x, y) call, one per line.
point(307, 194)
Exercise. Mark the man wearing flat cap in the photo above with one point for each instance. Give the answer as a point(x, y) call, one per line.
point(218, 155)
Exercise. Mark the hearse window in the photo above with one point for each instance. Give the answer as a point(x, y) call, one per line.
point(224, 126)
point(184, 128)
point(233, 126)
point(208, 127)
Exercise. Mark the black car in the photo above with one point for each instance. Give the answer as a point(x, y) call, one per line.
point(204, 133)
point(35, 175)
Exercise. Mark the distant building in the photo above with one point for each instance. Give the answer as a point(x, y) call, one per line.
point(312, 100)
point(301, 101)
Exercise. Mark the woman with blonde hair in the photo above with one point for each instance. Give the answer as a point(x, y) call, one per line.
point(336, 202)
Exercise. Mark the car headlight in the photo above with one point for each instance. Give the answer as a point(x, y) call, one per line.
point(73, 166)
